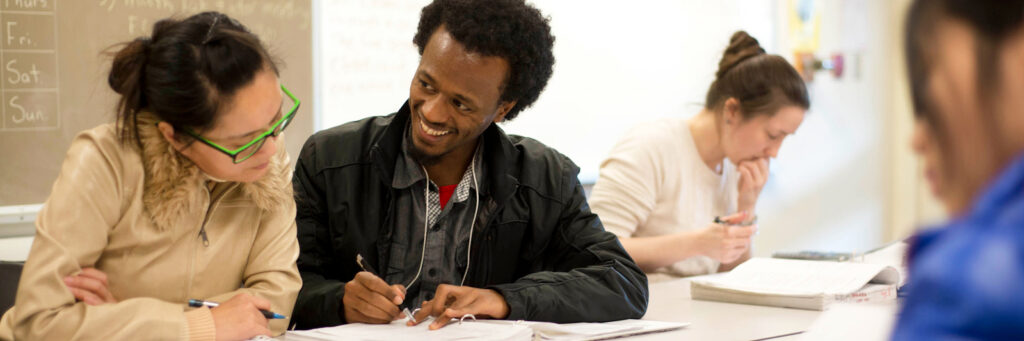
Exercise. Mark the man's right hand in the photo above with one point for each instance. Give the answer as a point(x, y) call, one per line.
point(368, 299)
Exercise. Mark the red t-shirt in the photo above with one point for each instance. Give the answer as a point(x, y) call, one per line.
point(446, 193)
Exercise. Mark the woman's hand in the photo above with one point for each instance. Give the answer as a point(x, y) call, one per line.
point(90, 287)
point(753, 175)
point(727, 243)
point(240, 318)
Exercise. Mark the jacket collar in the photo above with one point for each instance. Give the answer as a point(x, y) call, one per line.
point(175, 187)
point(1005, 191)
point(498, 154)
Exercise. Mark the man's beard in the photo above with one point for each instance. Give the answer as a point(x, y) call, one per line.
point(419, 155)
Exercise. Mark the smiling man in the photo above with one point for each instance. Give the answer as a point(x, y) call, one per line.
point(448, 213)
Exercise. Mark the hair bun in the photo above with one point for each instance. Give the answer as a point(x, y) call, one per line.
point(128, 66)
point(741, 47)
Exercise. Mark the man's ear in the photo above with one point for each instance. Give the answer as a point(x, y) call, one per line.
point(503, 110)
point(167, 131)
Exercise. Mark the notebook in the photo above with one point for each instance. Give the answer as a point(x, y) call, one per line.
point(494, 330)
point(802, 284)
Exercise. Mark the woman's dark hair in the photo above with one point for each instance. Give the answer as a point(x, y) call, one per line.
point(510, 29)
point(762, 83)
point(991, 22)
point(185, 71)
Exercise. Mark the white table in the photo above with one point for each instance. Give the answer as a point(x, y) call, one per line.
point(670, 301)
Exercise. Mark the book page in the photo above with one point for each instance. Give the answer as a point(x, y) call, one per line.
point(893, 254)
point(799, 277)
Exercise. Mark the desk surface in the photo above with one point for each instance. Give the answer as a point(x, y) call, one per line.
point(670, 301)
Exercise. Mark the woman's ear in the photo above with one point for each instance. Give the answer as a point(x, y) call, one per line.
point(731, 112)
point(167, 131)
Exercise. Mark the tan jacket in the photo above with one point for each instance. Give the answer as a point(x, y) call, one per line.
point(137, 217)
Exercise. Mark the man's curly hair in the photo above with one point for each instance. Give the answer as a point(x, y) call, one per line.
point(509, 29)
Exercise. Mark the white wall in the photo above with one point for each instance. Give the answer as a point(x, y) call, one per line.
point(845, 181)
point(827, 186)
point(617, 63)
point(621, 63)
point(849, 180)
point(15, 248)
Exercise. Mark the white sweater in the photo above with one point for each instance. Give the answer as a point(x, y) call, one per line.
point(655, 183)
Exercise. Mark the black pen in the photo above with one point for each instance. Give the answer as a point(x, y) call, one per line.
point(366, 267)
point(199, 303)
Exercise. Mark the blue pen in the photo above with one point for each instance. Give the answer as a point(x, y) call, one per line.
point(199, 303)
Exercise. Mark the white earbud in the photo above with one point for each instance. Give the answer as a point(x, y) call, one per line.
point(472, 225)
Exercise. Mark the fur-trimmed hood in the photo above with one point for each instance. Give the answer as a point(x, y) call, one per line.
point(174, 185)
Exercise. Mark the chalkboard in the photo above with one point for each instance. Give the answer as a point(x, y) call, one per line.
point(53, 73)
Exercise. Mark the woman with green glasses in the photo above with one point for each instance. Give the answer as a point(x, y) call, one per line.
point(186, 196)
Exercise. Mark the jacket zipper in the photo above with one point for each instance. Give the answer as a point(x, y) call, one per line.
point(192, 256)
point(202, 233)
point(200, 237)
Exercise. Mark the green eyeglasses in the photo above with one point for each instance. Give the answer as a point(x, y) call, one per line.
point(249, 149)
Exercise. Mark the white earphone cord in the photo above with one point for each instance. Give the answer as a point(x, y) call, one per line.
point(472, 225)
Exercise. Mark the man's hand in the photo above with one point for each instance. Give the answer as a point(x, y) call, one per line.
point(453, 302)
point(368, 299)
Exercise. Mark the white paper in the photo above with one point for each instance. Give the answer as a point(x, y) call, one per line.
point(798, 277)
point(397, 330)
point(485, 330)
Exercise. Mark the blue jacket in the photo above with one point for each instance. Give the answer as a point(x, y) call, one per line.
point(967, 278)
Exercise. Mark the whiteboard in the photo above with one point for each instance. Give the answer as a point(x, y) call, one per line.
point(53, 74)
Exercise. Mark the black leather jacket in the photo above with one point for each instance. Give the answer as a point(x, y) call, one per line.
point(536, 242)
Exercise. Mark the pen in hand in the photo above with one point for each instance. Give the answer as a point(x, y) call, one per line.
point(727, 222)
point(200, 303)
point(366, 267)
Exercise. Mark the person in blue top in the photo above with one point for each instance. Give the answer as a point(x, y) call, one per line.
point(966, 65)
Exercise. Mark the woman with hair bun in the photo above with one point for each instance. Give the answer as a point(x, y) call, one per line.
point(186, 196)
point(663, 185)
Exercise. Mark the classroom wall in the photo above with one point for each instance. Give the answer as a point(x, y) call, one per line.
point(849, 180)
point(846, 181)
point(827, 188)
point(911, 203)
point(618, 65)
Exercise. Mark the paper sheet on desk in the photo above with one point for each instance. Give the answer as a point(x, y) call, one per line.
point(397, 330)
point(585, 331)
point(800, 277)
point(487, 330)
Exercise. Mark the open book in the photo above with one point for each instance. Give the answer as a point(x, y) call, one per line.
point(799, 284)
point(485, 330)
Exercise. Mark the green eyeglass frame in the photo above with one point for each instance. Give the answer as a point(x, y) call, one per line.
point(249, 149)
